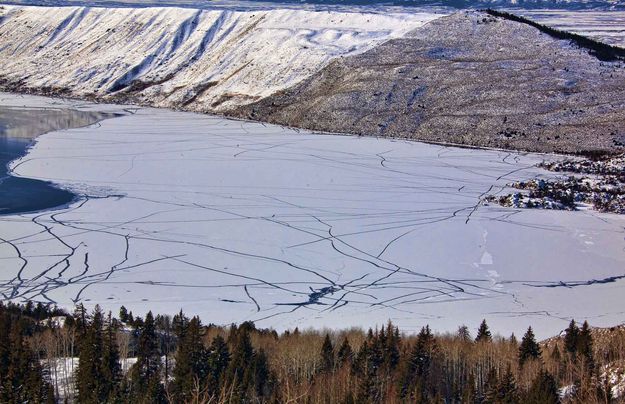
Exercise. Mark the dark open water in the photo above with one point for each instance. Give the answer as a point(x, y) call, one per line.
point(18, 129)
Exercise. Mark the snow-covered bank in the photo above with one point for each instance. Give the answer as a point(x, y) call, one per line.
point(243, 221)
point(606, 26)
point(176, 57)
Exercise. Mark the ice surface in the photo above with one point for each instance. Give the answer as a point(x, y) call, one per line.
point(243, 221)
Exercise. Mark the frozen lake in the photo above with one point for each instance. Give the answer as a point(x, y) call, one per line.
point(243, 221)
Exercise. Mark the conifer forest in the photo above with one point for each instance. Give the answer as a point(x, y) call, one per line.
point(48, 355)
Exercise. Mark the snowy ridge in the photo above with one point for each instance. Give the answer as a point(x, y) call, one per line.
point(198, 59)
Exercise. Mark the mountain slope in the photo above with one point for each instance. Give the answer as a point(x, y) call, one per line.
point(198, 59)
point(468, 78)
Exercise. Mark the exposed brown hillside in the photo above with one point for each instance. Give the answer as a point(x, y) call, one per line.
point(469, 78)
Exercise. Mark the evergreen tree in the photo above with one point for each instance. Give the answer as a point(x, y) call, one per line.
point(260, 374)
point(571, 338)
point(529, 348)
point(584, 346)
point(22, 379)
point(89, 378)
point(345, 354)
point(365, 366)
point(490, 389)
point(416, 377)
point(544, 390)
point(180, 323)
point(167, 340)
point(464, 334)
point(392, 346)
point(359, 364)
point(191, 363)
point(507, 392)
point(145, 374)
point(123, 314)
point(236, 378)
point(218, 361)
point(349, 398)
point(111, 366)
point(81, 318)
point(483, 333)
point(5, 342)
point(326, 355)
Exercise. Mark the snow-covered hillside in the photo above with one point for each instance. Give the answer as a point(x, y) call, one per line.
point(178, 57)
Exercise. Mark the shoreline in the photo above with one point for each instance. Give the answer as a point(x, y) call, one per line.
point(20, 195)
point(125, 103)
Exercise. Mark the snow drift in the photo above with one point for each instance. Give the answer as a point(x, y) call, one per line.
point(197, 59)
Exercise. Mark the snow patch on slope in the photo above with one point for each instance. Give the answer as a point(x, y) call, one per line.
point(172, 57)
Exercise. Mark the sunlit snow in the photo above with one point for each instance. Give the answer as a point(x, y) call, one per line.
point(178, 56)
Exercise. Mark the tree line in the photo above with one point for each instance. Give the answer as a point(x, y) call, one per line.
point(48, 356)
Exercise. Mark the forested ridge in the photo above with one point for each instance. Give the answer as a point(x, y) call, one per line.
point(48, 355)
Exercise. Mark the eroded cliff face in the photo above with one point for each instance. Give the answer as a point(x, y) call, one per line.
point(200, 60)
point(468, 78)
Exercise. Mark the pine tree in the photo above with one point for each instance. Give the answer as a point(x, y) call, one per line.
point(191, 369)
point(261, 377)
point(5, 342)
point(180, 324)
point(529, 348)
point(111, 366)
point(349, 398)
point(326, 355)
point(99, 372)
point(584, 346)
point(123, 314)
point(544, 390)
point(391, 349)
point(365, 366)
point(507, 390)
point(483, 333)
point(238, 378)
point(417, 373)
point(145, 375)
point(359, 363)
point(217, 363)
point(571, 338)
point(464, 334)
point(24, 380)
point(167, 340)
point(89, 378)
point(345, 354)
point(81, 318)
point(490, 389)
